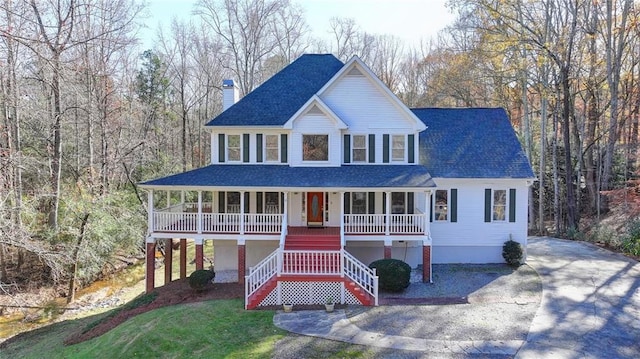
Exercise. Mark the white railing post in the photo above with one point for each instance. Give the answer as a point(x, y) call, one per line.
point(388, 213)
point(150, 212)
point(427, 213)
point(241, 212)
point(199, 225)
point(342, 240)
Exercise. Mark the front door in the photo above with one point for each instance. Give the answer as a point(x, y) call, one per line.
point(315, 208)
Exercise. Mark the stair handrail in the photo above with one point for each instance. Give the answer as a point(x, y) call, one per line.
point(361, 274)
point(261, 274)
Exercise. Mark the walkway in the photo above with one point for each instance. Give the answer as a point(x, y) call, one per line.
point(590, 308)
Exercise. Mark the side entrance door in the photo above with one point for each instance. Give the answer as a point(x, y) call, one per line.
point(315, 208)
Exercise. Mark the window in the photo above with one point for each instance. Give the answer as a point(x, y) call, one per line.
point(441, 207)
point(233, 148)
point(397, 147)
point(272, 148)
point(359, 148)
point(233, 202)
point(315, 147)
point(499, 205)
point(271, 202)
point(359, 202)
point(397, 202)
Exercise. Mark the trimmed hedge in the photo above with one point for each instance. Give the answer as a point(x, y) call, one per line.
point(199, 279)
point(512, 253)
point(393, 274)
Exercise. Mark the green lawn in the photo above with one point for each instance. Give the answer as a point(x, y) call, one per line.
point(212, 329)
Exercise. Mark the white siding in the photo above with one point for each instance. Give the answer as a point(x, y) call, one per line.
point(226, 253)
point(252, 144)
point(311, 124)
point(363, 107)
point(470, 239)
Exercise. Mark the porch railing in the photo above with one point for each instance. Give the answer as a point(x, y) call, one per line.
point(311, 262)
point(261, 273)
point(377, 224)
point(358, 272)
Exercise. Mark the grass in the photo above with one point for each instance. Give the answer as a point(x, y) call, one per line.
point(212, 329)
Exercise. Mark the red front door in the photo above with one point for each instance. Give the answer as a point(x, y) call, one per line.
point(315, 208)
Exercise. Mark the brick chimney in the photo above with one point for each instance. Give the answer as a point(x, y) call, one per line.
point(230, 94)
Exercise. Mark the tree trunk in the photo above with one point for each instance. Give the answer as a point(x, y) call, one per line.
point(76, 254)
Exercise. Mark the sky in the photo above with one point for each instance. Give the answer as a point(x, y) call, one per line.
point(410, 20)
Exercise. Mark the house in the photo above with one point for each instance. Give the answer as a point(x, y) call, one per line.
point(322, 169)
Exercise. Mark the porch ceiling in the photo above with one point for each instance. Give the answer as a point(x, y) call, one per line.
point(286, 177)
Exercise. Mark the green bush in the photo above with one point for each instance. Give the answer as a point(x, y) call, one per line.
point(393, 274)
point(631, 242)
point(512, 252)
point(199, 279)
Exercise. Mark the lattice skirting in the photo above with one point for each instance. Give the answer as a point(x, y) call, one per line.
point(309, 293)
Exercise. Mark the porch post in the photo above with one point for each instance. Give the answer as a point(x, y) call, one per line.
point(427, 213)
point(242, 260)
point(199, 220)
point(342, 241)
point(168, 198)
point(168, 260)
point(388, 213)
point(183, 258)
point(241, 213)
point(387, 248)
point(199, 254)
point(426, 263)
point(150, 265)
point(150, 211)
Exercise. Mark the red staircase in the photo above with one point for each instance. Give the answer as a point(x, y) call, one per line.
point(309, 239)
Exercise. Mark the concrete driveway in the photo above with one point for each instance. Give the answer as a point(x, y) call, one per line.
point(590, 304)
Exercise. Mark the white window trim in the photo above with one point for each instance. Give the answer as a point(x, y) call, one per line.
point(404, 155)
point(353, 147)
point(265, 149)
point(506, 205)
point(435, 203)
point(226, 148)
point(328, 148)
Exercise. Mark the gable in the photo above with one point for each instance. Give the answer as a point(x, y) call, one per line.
point(364, 103)
point(471, 143)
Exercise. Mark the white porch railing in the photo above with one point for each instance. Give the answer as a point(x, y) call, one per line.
point(262, 223)
point(260, 274)
point(311, 262)
point(361, 274)
point(175, 221)
point(187, 222)
point(364, 224)
point(376, 223)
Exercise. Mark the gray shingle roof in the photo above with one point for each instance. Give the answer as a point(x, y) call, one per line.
point(471, 143)
point(282, 176)
point(276, 100)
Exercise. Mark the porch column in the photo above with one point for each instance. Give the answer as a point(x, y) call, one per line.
point(199, 254)
point(388, 213)
point(168, 260)
point(342, 240)
point(241, 213)
point(427, 213)
point(168, 198)
point(183, 258)
point(150, 211)
point(387, 248)
point(426, 263)
point(199, 220)
point(242, 261)
point(150, 265)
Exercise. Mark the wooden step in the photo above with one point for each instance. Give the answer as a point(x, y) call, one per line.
point(307, 242)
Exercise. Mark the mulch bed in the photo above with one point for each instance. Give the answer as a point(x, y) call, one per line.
point(177, 292)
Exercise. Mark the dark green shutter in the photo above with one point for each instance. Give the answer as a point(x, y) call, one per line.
point(245, 147)
point(410, 203)
point(411, 149)
point(347, 148)
point(372, 148)
point(347, 202)
point(221, 147)
point(259, 148)
point(283, 148)
point(246, 202)
point(512, 205)
point(372, 202)
point(221, 202)
point(385, 148)
point(259, 202)
point(487, 205)
point(454, 205)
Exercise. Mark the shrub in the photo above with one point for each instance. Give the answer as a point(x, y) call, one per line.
point(393, 274)
point(199, 279)
point(512, 252)
point(631, 242)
